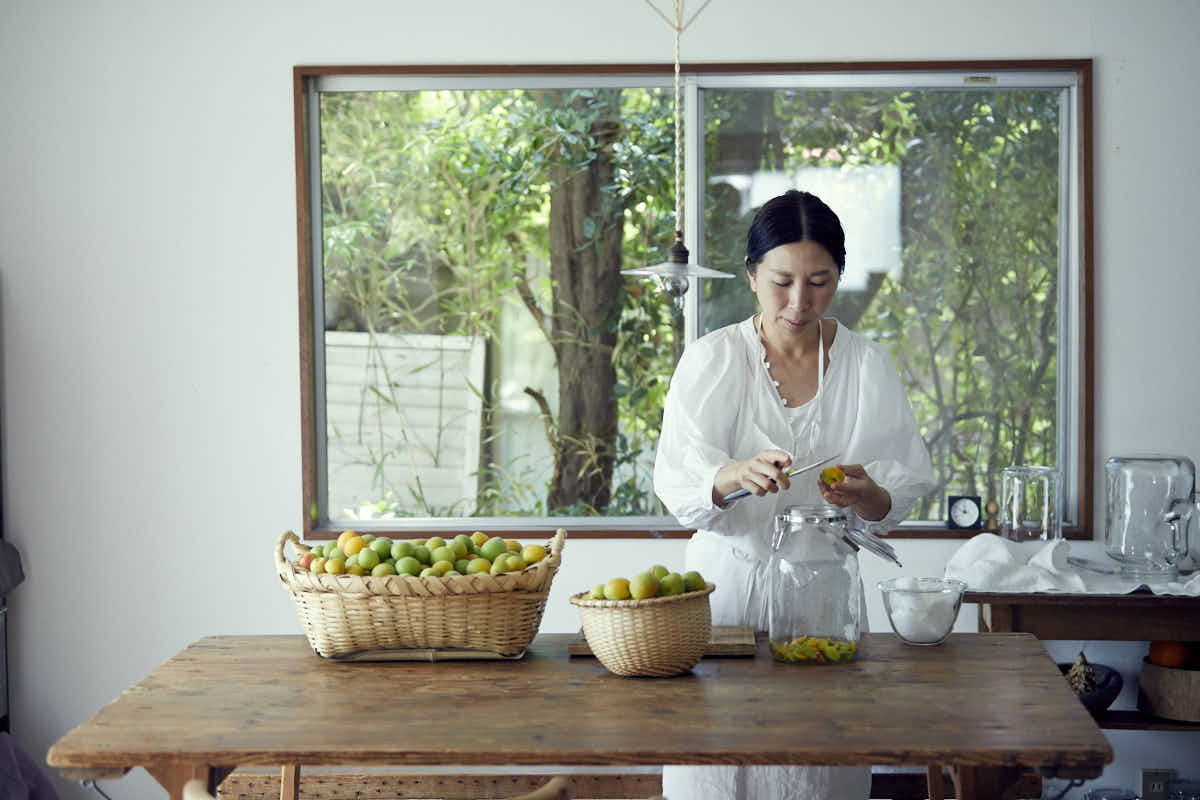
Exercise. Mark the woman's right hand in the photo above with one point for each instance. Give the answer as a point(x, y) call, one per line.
point(765, 472)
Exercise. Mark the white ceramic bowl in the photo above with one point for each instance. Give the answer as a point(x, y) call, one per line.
point(922, 611)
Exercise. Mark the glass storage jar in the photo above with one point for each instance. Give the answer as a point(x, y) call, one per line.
point(814, 589)
point(1149, 501)
point(1029, 503)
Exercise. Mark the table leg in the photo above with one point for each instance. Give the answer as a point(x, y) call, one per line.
point(289, 782)
point(172, 777)
point(994, 783)
point(933, 779)
point(995, 618)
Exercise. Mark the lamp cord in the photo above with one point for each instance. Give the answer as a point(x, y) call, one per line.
point(1074, 783)
point(88, 783)
point(679, 26)
point(678, 122)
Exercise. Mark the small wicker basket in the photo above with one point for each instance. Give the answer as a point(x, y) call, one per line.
point(352, 617)
point(656, 637)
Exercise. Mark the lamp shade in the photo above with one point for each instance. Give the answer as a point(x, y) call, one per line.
point(677, 265)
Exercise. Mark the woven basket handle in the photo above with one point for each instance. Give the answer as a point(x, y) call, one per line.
point(556, 544)
point(281, 565)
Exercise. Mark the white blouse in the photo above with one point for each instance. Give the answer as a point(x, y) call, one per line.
point(723, 406)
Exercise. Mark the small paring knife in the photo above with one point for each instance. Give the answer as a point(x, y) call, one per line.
point(793, 471)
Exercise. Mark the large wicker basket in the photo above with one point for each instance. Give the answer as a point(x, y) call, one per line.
point(656, 637)
point(355, 617)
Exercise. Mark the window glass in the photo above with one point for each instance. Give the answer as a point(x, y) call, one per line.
point(479, 361)
point(950, 203)
point(483, 354)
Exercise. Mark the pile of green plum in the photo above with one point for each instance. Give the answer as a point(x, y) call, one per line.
point(364, 554)
point(657, 581)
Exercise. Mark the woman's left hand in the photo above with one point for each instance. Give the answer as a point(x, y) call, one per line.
point(870, 500)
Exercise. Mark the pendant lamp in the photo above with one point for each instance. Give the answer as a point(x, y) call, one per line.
point(673, 274)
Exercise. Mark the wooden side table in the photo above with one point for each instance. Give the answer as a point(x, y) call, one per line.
point(1124, 617)
point(1138, 616)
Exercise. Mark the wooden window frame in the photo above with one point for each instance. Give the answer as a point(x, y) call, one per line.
point(594, 527)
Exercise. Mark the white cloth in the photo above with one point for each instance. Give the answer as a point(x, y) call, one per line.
point(723, 406)
point(990, 563)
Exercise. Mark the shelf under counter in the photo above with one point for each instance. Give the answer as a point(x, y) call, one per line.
point(1137, 721)
point(1137, 616)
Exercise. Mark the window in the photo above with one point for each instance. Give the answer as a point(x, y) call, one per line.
point(472, 357)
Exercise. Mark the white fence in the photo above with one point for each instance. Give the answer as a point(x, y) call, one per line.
point(403, 415)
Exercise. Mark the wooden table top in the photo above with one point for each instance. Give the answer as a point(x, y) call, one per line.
point(978, 699)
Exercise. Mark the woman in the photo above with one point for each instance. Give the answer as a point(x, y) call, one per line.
point(785, 387)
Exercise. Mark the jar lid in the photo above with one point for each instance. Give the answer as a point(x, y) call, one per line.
point(823, 513)
point(814, 512)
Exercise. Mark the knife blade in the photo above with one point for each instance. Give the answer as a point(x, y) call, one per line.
point(729, 498)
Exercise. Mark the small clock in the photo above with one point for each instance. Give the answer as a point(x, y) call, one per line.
point(964, 511)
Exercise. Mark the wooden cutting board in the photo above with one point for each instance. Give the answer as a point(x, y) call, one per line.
point(726, 640)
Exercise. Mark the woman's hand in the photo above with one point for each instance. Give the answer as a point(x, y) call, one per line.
point(765, 472)
point(870, 500)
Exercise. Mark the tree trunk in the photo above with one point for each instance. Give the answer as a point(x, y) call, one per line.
point(586, 229)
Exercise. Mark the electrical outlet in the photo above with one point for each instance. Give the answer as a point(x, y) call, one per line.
point(1154, 783)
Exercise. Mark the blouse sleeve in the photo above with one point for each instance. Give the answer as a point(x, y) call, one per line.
point(699, 416)
point(888, 434)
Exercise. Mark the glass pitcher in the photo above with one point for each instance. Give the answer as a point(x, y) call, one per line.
point(814, 590)
point(1149, 501)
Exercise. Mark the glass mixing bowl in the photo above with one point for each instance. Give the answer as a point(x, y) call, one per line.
point(922, 611)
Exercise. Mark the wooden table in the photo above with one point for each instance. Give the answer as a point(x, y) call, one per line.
point(986, 705)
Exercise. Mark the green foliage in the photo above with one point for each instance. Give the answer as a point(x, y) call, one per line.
point(416, 213)
point(972, 321)
point(971, 316)
point(434, 204)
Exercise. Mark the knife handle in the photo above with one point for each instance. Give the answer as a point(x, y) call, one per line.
point(791, 473)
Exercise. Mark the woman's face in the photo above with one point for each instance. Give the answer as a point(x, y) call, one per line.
point(795, 284)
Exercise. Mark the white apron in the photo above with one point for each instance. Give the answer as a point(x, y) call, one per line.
point(724, 406)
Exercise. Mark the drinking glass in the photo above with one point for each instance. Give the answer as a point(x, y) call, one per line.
point(1110, 793)
point(1029, 503)
point(1183, 790)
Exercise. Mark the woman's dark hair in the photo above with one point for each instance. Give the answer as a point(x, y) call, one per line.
point(794, 216)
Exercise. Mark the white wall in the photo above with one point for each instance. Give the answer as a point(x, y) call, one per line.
point(147, 231)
